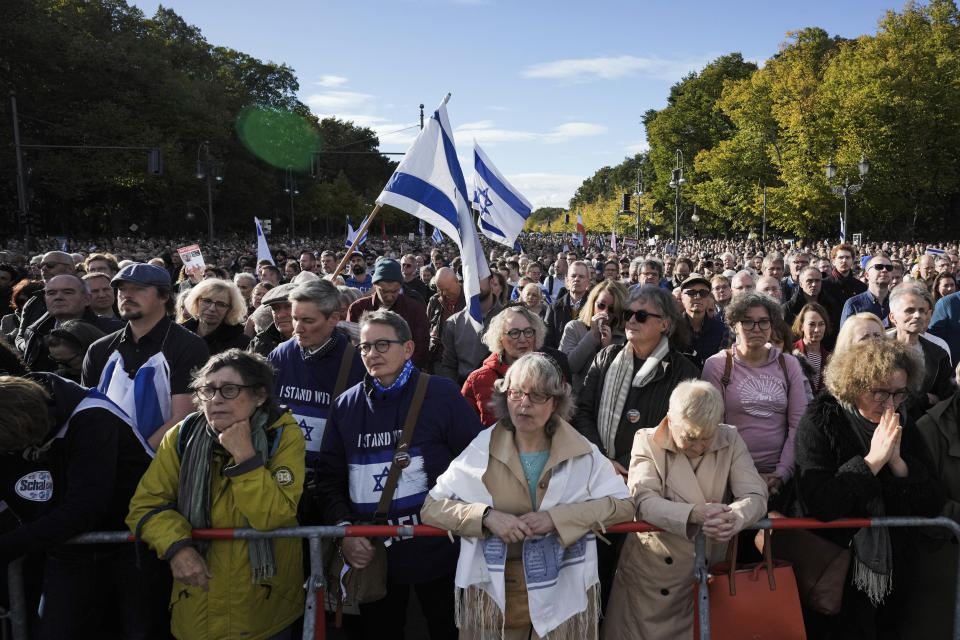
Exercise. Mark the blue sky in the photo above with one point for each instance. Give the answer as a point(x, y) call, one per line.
point(551, 90)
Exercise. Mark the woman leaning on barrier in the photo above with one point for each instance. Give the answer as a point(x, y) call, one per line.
point(690, 474)
point(238, 462)
point(859, 456)
point(525, 495)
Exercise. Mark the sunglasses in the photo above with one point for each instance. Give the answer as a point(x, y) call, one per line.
point(697, 293)
point(883, 267)
point(602, 306)
point(640, 314)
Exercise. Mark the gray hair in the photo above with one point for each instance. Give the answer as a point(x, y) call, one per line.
point(697, 403)
point(322, 293)
point(666, 305)
point(243, 275)
point(390, 319)
point(493, 338)
point(543, 374)
point(255, 371)
point(898, 293)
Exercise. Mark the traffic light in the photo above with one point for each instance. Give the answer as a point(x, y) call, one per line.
point(155, 161)
point(625, 202)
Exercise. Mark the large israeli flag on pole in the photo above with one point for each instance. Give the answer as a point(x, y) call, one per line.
point(263, 251)
point(503, 209)
point(429, 185)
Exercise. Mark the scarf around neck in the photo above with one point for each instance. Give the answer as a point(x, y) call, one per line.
point(194, 500)
point(616, 387)
point(382, 392)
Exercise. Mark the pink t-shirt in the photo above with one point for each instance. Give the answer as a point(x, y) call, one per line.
point(762, 406)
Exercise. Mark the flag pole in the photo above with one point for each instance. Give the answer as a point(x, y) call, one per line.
point(356, 240)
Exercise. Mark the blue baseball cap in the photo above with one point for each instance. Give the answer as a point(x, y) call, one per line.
point(145, 275)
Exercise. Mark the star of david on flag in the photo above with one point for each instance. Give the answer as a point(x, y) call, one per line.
point(503, 209)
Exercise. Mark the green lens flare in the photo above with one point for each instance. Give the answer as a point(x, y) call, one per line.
point(282, 138)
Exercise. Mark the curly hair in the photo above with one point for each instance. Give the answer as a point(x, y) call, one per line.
point(857, 368)
point(543, 374)
point(740, 305)
point(619, 294)
point(493, 337)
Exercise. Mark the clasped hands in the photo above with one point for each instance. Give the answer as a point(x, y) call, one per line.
point(717, 520)
point(510, 528)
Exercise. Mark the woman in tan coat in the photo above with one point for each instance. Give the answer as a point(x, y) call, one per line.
point(525, 496)
point(690, 474)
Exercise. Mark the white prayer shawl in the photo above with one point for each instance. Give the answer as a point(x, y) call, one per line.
point(557, 579)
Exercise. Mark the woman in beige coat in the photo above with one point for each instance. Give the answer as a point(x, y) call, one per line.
point(525, 496)
point(690, 474)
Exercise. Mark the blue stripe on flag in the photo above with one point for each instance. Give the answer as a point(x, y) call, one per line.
point(500, 189)
point(453, 163)
point(412, 187)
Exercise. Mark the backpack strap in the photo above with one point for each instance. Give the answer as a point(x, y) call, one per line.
point(725, 380)
point(346, 363)
point(186, 428)
point(400, 455)
point(786, 376)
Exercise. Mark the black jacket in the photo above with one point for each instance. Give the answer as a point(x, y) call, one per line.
point(842, 289)
point(834, 309)
point(834, 481)
point(223, 337)
point(82, 482)
point(558, 315)
point(35, 352)
point(650, 401)
point(266, 341)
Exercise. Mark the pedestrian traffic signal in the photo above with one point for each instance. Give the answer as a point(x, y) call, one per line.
point(625, 203)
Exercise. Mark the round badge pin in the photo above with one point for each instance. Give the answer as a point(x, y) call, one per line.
point(633, 415)
point(402, 458)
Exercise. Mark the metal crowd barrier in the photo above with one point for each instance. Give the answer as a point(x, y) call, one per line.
point(314, 624)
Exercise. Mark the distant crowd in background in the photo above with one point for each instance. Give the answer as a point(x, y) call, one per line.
point(698, 387)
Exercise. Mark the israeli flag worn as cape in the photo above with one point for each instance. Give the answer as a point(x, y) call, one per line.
point(263, 251)
point(429, 185)
point(503, 209)
point(351, 234)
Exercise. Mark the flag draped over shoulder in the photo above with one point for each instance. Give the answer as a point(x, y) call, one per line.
point(263, 251)
point(352, 233)
point(428, 184)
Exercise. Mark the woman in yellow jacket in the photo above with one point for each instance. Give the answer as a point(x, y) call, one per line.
point(239, 462)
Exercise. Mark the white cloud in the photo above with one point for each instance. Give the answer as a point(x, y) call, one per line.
point(569, 130)
point(338, 101)
point(485, 131)
point(581, 69)
point(640, 147)
point(330, 81)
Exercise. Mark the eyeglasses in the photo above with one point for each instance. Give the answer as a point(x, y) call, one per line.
point(207, 302)
point(883, 267)
point(382, 346)
point(227, 391)
point(697, 293)
point(640, 314)
point(51, 265)
point(536, 398)
point(762, 324)
point(514, 334)
point(881, 395)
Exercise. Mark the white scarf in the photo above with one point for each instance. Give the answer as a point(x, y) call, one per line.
point(616, 388)
point(556, 590)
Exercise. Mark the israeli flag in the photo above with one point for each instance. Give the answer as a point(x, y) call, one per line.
point(368, 475)
point(843, 230)
point(263, 251)
point(436, 236)
point(429, 185)
point(503, 209)
point(351, 234)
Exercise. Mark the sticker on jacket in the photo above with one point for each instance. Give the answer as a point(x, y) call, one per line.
point(36, 486)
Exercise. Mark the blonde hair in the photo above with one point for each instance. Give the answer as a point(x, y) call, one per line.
point(698, 405)
point(845, 335)
point(619, 294)
point(856, 368)
point(238, 307)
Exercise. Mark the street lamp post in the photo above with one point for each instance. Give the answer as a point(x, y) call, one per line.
point(208, 168)
point(676, 181)
point(847, 189)
point(290, 187)
point(763, 229)
point(639, 194)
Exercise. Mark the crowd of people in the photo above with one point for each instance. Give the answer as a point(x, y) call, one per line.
point(697, 387)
